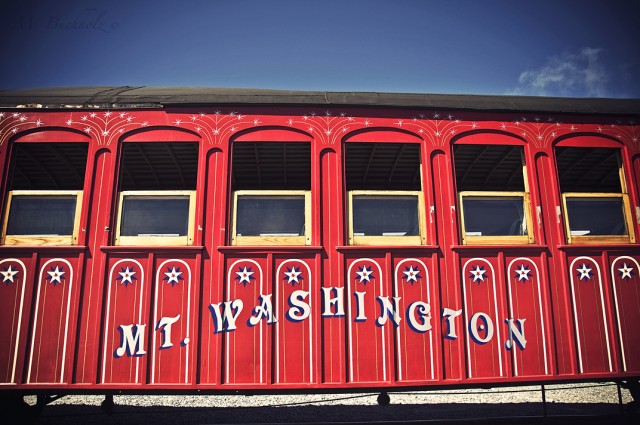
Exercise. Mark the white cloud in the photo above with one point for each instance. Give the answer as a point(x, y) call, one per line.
point(580, 74)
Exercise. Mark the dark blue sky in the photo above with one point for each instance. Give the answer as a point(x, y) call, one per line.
point(552, 48)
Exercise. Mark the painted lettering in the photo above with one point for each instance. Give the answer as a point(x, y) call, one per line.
point(337, 301)
point(131, 343)
point(450, 316)
point(516, 334)
point(486, 326)
point(299, 309)
point(421, 323)
point(265, 309)
point(164, 325)
point(387, 309)
point(360, 317)
point(225, 320)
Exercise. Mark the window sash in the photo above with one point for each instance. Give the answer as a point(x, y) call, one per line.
point(45, 239)
point(573, 236)
point(271, 237)
point(389, 239)
point(156, 239)
point(468, 238)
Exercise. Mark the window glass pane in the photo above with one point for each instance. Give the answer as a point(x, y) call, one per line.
point(500, 216)
point(596, 216)
point(155, 216)
point(270, 216)
point(385, 216)
point(42, 215)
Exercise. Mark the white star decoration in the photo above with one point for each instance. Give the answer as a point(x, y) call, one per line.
point(584, 272)
point(478, 274)
point(293, 275)
point(244, 275)
point(55, 275)
point(522, 273)
point(173, 275)
point(411, 274)
point(626, 272)
point(8, 274)
point(126, 275)
point(365, 275)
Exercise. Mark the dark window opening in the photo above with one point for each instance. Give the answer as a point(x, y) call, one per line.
point(48, 166)
point(159, 166)
point(589, 169)
point(382, 166)
point(45, 193)
point(157, 193)
point(271, 182)
point(271, 166)
point(489, 168)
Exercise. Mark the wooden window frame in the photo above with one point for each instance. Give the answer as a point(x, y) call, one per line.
point(529, 238)
point(239, 240)
point(496, 240)
point(159, 240)
point(42, 240)
point(630, 237)
point(415, 240)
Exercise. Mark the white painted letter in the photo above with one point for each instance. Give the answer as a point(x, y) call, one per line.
point(517, 332)
point(424, 310)
point(229, 321)
point(299, 310)
point(265, 309)
point(450, 315)
point(487, 327)
point(360, 306)
point(388, 309)
point(129, 342)
point(338, 301)
point(165, 327)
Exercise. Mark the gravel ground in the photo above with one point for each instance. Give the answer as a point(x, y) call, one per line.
point(571, 399)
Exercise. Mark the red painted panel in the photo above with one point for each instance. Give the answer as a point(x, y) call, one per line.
point(14, 314)
point(369, 343)
point(589, 315)
point(295, 297)
point(126, 313)
point(416, 348)
point(527, 310)
point(212, 271)
point(51, 340)
point(172, 321)
point(332, 352)
point(247, 346)
point(626, 293)
point(482, 316)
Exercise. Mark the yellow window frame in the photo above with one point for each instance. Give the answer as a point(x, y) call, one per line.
point(156, 240)
point(498, 240)
point(273, 239)
point(390, 240)
point(630, 237)
point(42, 240)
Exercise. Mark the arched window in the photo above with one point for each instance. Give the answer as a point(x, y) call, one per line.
point(595, 198)
point(157, 189)
point(45, 186)
point(271, 185)
point(384, 187)
point(493, 191)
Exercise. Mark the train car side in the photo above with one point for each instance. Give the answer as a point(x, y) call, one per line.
point(158, 244)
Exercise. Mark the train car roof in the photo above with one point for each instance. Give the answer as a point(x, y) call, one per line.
point(160, 97)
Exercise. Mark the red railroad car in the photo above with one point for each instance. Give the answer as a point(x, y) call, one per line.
point(187, 240)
